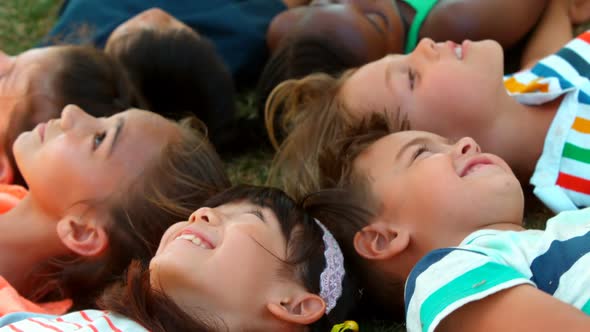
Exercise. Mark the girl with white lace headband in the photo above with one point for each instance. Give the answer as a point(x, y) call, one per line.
point(252, 260)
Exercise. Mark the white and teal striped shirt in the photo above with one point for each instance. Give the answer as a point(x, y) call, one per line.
point(556, 261)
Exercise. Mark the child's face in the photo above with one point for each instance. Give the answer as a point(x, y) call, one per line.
point(223, 260)
point(367, 28)
point(81, 159)
point(439, 190)
point(444, 88)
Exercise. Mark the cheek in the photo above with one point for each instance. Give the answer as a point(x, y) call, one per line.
point(442, 109)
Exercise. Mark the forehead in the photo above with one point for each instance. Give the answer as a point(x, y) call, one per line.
point(143, 130)
point(385, 152)
point(368, 89)
point(22, 73)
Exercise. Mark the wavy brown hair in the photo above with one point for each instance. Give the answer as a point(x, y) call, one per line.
point(187, 172)
point(310, 112)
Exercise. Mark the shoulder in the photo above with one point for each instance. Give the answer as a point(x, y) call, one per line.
point(447, 279)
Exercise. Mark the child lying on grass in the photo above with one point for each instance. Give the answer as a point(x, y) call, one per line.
point(446, 221)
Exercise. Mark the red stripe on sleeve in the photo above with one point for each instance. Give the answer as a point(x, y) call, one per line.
point(85, 316)
point(574, 183)
point(585, 37)
point(61, 320)
point(47, 326)
point(92, 327)
point(14, 328)
point(113, 327)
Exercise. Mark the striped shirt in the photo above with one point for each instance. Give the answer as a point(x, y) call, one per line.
point(79, 321)
point(555, 261)
point(562, 174)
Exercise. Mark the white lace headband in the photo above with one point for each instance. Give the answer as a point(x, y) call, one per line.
point(333, 274)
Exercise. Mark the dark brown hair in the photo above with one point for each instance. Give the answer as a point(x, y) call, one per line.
point(305, 262)
point(180, 73)
point(187, 172)
point(80, 75)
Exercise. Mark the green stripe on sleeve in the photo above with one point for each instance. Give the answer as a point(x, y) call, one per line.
point(575, 152)
point(586, 308)
point(473, 282)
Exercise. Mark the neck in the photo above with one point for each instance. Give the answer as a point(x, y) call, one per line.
point(518, 135)
point(27, 238)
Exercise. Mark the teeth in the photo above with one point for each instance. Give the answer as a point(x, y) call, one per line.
point(188, 237)
point(192, 238)
point(459, 52)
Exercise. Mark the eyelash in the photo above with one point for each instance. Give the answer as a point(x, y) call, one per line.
point(98, 136)
point(420, 150)
point(257, 213)
point(411, 77)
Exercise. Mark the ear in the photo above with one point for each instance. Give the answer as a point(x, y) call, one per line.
point(6, 170)
point(84, 237)
point(303, 308)
point(380, 240)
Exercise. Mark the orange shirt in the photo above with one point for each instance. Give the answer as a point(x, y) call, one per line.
point(10, 300)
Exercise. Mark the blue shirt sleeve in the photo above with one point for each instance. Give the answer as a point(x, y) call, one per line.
point(236, 27)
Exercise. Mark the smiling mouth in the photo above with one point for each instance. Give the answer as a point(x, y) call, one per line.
point(474, 166)
point(196, 240)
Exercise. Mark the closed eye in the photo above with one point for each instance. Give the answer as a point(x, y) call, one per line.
point(419, 151)
point(411, 78)
point(258, 214)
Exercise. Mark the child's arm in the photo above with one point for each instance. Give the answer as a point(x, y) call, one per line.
point(554, 31)
point(506, 21)
point(522, 308)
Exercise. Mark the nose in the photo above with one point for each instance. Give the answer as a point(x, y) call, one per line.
point(427, 48)
point(466, 145)
point(71, 115)
point(205, 214)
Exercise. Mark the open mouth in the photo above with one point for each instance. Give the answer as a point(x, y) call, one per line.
point(196, 239)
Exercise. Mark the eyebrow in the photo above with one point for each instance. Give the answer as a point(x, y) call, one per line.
point(408, 144)
point(118, 129)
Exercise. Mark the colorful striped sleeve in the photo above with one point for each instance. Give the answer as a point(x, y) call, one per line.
point(449, 278)
point(79, 321)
